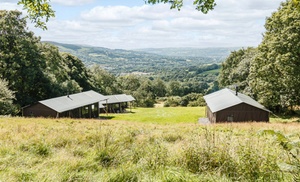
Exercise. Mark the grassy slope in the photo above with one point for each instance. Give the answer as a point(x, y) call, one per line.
point(109, 150)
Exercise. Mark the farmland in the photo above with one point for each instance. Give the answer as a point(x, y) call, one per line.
point(117, 149)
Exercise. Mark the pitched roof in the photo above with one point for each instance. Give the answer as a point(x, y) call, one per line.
point(226, 98)
point(130, 98)
point(113, 99)
point(69, 102)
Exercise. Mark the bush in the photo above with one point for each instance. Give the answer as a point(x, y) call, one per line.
point(173, 101)
point(6, 99)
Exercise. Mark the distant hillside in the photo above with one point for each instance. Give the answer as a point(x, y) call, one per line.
point(216, 53)
point(120, 61)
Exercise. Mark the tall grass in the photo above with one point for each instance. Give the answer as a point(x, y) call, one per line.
point(97, 150)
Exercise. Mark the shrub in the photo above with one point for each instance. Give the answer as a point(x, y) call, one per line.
point(172, 102)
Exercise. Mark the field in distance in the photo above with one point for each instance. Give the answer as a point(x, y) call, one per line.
point(160, 115)
point(116, 149)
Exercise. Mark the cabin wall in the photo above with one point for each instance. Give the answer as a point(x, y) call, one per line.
point(38, 110)
point(211, 116)
point(242, 113)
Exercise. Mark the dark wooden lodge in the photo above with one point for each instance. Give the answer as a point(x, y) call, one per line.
point(230, 106)
point(80, 105)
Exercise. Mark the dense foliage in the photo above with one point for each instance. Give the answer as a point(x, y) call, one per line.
point(275, 72)
point(235, 70)
point(22, 63)
point(6, 99)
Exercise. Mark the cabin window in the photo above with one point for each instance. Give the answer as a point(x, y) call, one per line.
point(230, 118)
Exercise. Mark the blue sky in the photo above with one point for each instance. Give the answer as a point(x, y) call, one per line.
point(132, 24)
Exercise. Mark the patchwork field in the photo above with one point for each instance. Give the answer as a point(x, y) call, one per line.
point(126, 149)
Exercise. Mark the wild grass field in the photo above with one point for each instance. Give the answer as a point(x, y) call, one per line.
point(118, 149)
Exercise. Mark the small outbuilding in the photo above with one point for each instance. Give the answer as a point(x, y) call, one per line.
point(80, 105)
point(231, 106)
point(117, 103)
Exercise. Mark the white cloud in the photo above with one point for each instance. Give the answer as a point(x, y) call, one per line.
point(8, 5)
point(72, 2)
point(232, 23)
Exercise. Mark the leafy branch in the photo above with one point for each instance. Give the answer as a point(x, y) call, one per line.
point(201, 5)
point(39, 11)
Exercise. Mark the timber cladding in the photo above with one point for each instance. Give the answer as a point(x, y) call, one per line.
point(239, 113)
point(39, 110)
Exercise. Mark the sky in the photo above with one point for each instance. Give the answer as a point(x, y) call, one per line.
point(132, 24)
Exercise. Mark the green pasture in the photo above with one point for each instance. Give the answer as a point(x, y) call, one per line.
point(212, 71)
point(161, 115)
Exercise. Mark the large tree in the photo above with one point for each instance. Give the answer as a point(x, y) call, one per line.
point(236, 68)
point(21, 61)
point(105, 82)
point(275, 72)
point(78, 72)
point(58, 72)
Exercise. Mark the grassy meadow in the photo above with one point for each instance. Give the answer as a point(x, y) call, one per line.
point(140, 146)
point(160, 115)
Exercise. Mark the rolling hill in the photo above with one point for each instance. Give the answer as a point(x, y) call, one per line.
point(119, 61)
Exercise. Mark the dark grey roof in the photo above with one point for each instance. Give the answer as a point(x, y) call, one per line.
point(226, 98)
point(120, 98)
point(130, 98)
point(66, 103)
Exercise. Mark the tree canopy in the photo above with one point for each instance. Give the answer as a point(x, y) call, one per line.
point(275, 72)
point(236, 69)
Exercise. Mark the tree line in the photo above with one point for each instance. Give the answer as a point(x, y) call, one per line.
point(270, 72)
point(32, 71)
